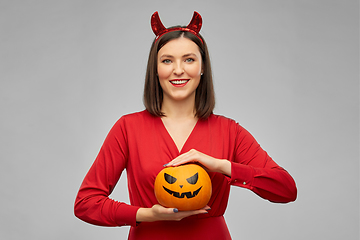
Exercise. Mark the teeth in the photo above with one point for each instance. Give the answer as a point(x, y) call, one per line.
point(179, 81)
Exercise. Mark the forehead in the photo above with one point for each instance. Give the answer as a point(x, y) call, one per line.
point(179, 47)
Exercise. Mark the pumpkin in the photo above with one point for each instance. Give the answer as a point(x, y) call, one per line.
point(185, 187)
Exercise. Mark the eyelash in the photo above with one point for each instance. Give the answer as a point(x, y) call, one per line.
point(166, 61)
point(186, 60)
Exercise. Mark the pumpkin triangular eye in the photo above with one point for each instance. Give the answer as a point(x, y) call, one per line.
point(170, 179)
point(193, 179)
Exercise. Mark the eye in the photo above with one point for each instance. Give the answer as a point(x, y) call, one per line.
point(166, 61)
point(189, 60)
point(193, 179)
point(170, 179)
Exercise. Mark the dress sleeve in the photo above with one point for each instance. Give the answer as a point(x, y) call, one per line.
point(254, 169)
point(92, 203)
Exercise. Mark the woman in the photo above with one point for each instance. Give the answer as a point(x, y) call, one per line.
point(177, 127)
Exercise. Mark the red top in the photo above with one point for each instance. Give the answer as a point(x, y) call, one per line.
point(140, 143)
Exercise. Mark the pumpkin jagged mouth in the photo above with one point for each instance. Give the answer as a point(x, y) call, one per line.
point(187, 194)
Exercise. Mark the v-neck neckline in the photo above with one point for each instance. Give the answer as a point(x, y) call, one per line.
point(179, 151)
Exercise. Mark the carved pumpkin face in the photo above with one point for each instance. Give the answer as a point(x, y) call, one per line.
point(186, 187)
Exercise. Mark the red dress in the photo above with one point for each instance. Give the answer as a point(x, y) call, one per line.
point(140, 143)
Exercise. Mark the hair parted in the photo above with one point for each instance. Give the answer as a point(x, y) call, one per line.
point(153, 94)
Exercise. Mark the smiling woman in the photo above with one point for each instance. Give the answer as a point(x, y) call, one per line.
point(153, 92)
point(179, 70)
point(178, 128)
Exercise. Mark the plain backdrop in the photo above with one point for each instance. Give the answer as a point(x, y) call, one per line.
point(286, 70)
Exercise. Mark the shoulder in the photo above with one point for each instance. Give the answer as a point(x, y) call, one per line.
point(226, 123)
point(133, 124)
point(136, 119)
point(220, 119)
point(137, 116)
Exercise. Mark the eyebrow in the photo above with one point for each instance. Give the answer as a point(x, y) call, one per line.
point(166, 56)
point(171, 56)
point(190, 54)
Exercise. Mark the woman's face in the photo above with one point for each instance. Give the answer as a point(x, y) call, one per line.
point(179, 69)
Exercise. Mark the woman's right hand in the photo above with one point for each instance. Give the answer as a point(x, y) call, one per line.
point(160, 213)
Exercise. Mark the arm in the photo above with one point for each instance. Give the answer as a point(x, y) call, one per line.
point(92, 203)
point(274, 184)
point(251, 168)
point(254, 169)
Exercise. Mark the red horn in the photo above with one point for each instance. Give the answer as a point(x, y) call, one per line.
point(156, 24)
point(193, 27)
point(195, 23)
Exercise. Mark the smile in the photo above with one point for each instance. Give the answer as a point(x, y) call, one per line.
point(182, 195)
point(179, 82)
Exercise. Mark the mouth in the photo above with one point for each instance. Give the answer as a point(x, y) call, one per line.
point(184, 194)
point(179, 82)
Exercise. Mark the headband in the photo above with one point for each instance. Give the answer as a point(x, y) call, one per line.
point(193, 27)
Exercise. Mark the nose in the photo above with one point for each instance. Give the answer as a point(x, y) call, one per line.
point(178, 69)
point(181, 186)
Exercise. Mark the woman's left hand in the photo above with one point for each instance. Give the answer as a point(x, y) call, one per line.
point(211, 164)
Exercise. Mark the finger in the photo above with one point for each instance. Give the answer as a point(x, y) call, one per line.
point(201, 211)
point(175, 162)
point(182, 159)
point(193, 212)
point(183, 214)
point(207, 208)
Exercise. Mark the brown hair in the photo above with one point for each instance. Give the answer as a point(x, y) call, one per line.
point(153, 94)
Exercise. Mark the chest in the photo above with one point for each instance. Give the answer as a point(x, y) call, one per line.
point(152, 145)
point(179, 130)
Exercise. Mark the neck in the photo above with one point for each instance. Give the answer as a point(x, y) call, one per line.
point(178, 109)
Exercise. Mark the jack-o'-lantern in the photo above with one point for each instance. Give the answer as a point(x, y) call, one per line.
point(185, 187)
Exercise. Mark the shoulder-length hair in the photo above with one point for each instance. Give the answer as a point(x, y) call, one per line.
point(153, 93)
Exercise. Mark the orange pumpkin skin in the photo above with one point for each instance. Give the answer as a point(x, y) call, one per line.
point(186, 187)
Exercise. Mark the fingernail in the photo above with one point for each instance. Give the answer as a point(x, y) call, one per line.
point(175, 210)
point(208, 209)
point(205, 212)
point(165, 165)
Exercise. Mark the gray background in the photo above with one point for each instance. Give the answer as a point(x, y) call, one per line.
point(286, 70)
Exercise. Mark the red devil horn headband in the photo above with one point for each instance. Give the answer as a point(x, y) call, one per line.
point(193, 27)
